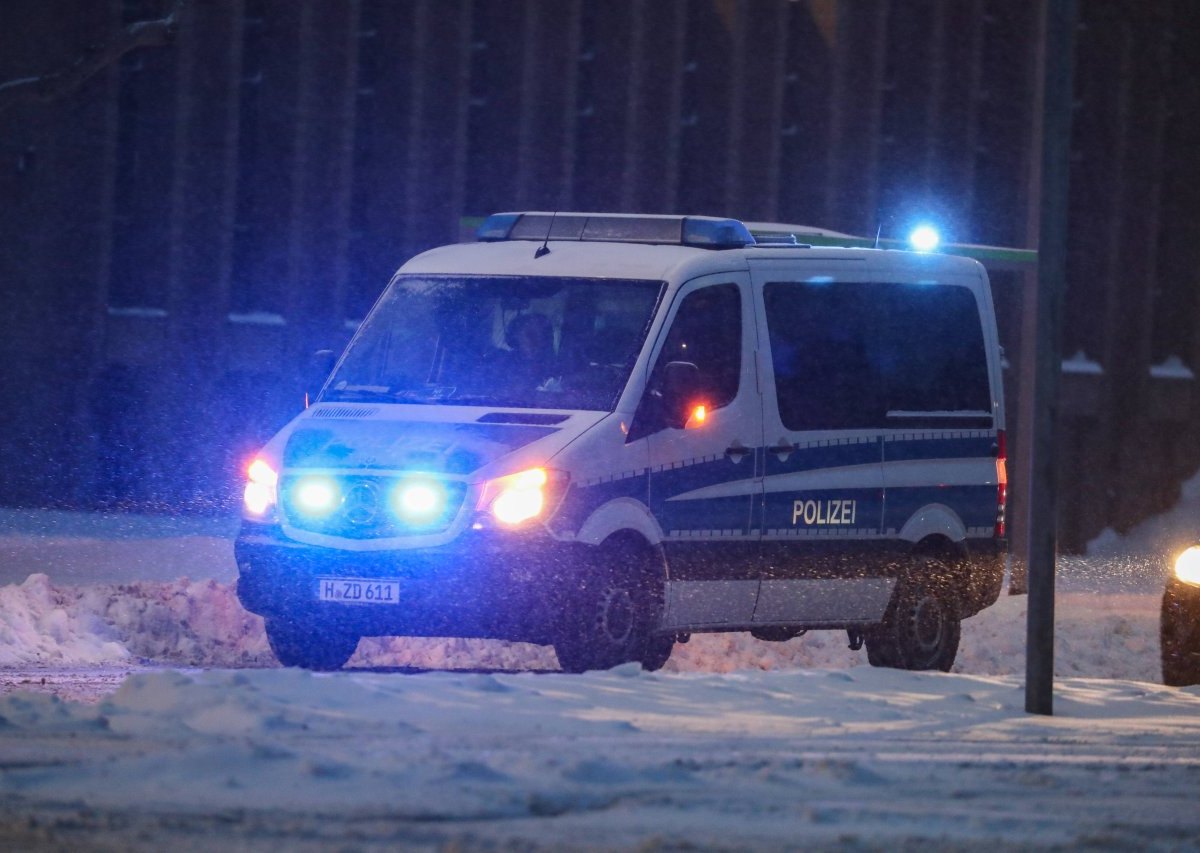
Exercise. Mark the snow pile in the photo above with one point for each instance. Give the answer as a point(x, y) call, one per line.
point(182, 622)
point(201, 623)
point(1096, 636)
point(41, 624)
point(754, 759)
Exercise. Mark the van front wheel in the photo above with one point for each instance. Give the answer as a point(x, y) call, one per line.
point(612, 620)
point(318, 648)
point(920, 630)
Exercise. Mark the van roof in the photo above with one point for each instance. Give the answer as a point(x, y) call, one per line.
point(629, 246)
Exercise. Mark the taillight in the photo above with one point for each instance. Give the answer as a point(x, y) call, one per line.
point(1001, 483)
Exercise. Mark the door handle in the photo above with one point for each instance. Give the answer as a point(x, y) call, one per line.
point(736, 452)
point(783, 448)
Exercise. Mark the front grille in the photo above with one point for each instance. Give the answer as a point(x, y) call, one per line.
point(344, 411)
point(366, 507)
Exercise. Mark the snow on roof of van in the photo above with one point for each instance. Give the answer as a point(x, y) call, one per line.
point(573, 258)
point(798, 230)
point(570, 258)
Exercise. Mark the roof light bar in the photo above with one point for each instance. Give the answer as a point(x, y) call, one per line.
point(705, 232)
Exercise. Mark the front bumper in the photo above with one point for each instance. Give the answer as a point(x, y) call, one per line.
point(485, 584)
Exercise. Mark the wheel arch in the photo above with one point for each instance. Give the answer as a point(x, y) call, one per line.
point(933, 522)
point(616, 516)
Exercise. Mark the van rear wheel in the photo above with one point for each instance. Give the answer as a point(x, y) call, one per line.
point(920, 630)
point(613, 616)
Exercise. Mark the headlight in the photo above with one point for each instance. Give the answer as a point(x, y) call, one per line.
point(520, 497)
point(1187, 565)
point(419, 501)
point(260, 495)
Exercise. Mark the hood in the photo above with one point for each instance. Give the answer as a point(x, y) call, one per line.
point(443, 442)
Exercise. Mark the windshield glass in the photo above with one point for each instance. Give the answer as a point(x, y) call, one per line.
point(529, 342)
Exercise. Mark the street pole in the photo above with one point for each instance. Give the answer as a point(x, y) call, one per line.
point(1058, 96)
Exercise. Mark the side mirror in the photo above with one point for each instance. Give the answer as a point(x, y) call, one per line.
point(681, 386)
point(320, 365)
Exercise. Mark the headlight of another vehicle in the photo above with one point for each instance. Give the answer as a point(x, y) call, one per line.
point(1187, 565)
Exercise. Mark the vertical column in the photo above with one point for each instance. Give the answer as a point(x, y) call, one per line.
point(55, 161)
point(852, 185)
point(546, 120)
point(318, 232)
point(758, 73)
point(807, 119)
point(202, 203)
point(650, 175)
point(1140, 117)
point(735, 71)
point(438, 99)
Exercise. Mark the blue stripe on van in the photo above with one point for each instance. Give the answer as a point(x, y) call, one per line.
point(975, 505)
point(898, 449)
point(730, 513)
point(582, 500)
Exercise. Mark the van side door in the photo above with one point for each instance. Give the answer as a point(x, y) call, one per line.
point(703, 477)
point(824, 421)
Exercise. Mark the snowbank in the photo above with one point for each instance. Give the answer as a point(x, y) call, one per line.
point(201, 623)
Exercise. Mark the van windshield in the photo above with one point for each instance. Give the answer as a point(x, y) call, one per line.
point(519, 341)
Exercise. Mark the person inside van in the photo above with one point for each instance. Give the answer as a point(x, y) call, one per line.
point(533, 363)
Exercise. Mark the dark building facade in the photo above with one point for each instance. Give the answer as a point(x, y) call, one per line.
point(180, 231)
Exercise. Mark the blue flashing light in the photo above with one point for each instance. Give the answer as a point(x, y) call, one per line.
point(317, 496)
point(712, 233)
point(924, 238)
point(419, 500)
point(497, 227)
point(705, 232)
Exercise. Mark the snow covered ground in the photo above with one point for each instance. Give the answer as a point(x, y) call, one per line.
point(737, 744)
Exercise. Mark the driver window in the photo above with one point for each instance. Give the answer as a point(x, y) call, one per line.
point(707, 331)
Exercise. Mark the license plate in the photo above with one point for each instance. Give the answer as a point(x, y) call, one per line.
point(358, 590)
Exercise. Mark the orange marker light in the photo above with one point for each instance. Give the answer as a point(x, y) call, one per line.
point(259, 495)
point(698, 417)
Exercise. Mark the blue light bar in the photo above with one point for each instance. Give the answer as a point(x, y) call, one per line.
point(709, 233)
point(496, 227)
point(705, 232)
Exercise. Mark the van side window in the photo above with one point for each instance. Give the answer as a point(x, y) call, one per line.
point(930, 354)
point(846, 354)
point(819, 337)
point(707, 331)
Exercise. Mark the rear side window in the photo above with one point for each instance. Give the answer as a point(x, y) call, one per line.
point(846, 355)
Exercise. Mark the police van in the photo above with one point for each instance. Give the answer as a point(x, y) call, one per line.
point(608, 432)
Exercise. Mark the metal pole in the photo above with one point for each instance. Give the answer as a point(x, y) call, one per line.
point(1052, 256)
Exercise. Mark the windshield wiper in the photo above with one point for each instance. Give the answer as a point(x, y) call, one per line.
point(389, 395)
point(360, 394)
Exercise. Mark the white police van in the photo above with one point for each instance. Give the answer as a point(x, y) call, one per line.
point(607, 432)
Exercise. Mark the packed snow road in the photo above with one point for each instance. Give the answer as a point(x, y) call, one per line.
point(751, 760)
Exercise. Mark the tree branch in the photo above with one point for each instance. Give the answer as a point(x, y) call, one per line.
point(51, 87)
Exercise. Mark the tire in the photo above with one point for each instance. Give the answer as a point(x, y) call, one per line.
point(1180, 634)
point(310, 647)
point(920, 630)
point(613, 615)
